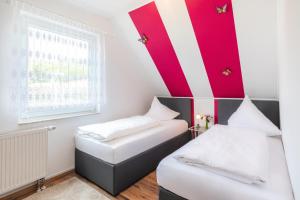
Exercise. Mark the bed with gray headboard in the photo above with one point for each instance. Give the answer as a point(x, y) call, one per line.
point(114, 178)
point(270, 108)
point(226, 107)
point(181, 105)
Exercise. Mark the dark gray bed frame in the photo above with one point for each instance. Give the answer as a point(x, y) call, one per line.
point(226, 107)
point(114, 178)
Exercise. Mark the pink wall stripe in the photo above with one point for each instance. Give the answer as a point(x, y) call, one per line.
point(216, 110)
point(217, 41)
point(193, 112)
point(148, 21)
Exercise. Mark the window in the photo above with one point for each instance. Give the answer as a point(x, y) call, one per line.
point(62, 72)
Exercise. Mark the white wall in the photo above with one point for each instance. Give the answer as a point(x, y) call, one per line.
point(128, 91)
point(289, 52)
point(130, 36)
point(256, 30)
point(203, 106)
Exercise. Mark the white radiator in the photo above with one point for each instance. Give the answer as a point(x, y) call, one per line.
point(23, 158)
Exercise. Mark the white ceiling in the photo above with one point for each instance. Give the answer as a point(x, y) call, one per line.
point(107, 8)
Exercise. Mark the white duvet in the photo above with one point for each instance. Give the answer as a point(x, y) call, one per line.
point(236, 153)
point(118, 128)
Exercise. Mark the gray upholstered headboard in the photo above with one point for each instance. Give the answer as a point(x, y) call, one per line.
point(269, 108)
point(181, 105)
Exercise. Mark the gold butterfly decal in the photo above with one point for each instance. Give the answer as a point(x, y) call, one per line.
point(222, 9)
point(143, 39)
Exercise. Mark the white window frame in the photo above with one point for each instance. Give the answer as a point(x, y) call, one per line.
point(95, 71)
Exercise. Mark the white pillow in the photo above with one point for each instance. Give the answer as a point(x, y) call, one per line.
point(248, 116)
point(161, 112)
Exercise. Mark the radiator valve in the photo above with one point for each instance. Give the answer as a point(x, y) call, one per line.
point(41, 185)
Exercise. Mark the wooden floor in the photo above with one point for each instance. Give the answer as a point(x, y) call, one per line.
point(145, 189)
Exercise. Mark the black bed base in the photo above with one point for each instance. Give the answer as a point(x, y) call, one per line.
point(114, 178)
point(167, 195)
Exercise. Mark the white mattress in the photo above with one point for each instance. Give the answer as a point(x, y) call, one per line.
point(121, 149)
point(196, 184)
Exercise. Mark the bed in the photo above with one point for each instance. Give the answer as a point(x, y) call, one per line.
point(179, 181)
point(117, 164)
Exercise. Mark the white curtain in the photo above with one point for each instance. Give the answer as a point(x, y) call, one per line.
point(59, 66)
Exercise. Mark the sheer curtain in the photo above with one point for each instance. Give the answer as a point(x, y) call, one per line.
point(60, 64)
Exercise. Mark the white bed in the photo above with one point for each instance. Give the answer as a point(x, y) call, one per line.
point(121, 149)
point(194, 183)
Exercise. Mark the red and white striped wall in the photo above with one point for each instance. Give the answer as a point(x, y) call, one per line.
point(190, 45)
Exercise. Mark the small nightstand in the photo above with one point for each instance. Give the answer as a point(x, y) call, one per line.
point(196, 131)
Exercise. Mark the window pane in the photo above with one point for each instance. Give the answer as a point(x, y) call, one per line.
point(61, 67)
point(58, 70)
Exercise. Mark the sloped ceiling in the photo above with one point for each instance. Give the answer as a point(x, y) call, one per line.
point(255, 31)
point(255, 27)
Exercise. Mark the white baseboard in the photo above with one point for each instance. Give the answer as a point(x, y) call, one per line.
point(59, 173)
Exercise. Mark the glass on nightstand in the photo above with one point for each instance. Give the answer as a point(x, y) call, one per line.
point(197, 130)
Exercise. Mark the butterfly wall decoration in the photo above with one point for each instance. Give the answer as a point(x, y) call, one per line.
point(144, 39)
point(227, 72)
point(221, 10)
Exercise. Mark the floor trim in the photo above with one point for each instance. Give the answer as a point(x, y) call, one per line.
point(31, 189)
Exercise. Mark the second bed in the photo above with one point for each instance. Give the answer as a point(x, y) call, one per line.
point(117, 164)
point(179, 181)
